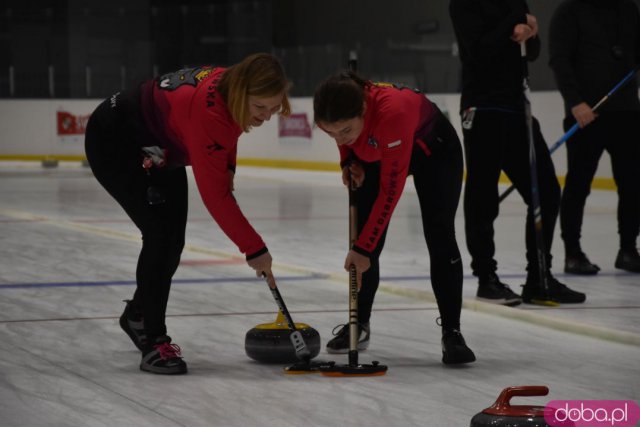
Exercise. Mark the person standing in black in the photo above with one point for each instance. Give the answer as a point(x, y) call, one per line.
point(489, 33)
point(593, 44)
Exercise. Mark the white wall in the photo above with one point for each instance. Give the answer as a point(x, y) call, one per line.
point(28, 129)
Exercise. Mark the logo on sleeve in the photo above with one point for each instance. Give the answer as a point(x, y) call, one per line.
point(187, 76)
point(372, 142)
point(394, 144)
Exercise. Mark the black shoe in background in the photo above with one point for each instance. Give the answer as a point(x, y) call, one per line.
point(491, 289)
point(579, 264)
point(533, 292)
point(629, 260)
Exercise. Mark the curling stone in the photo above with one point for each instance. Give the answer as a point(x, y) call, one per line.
point(503, 414)
point(270, 343)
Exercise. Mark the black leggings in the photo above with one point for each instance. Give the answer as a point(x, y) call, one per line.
point(438, 182)
point(617, 133)
point(116, 161)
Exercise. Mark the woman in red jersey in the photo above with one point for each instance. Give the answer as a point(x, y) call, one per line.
point(385, 133)
point(138, 143)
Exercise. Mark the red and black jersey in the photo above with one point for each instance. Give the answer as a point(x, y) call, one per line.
point(395, 119)
point(188, 117)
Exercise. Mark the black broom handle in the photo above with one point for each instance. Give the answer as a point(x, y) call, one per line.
point(533, 171)
point(353, 236)
point(281, 305)
point(299, 346)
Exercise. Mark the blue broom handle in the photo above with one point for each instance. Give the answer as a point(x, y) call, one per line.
point(576, 126)
point(604, 99)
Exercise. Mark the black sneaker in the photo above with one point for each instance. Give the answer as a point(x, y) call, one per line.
point(163, 358)
point(454, 348)
point(340, 344)
point(559, 293)
point(628, 260)
point(491, 289)
point(579, 264)
point(132, 323)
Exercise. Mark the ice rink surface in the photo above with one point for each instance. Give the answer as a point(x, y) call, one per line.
point(67, 260)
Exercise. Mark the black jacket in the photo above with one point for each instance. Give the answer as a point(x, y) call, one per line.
point(492, 68)
point(593, 44)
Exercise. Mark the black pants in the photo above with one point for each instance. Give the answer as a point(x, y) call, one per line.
point(116, 161)
point(438, 182)
point(617, 133)
point(497, 142)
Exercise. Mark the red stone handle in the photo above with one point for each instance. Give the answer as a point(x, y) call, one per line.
point(502, 406)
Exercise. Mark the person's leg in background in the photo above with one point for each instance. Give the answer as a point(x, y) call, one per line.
point(584, 150)
point(485, 143)
point(624, 149)
point(517, 168)
point(549, 192)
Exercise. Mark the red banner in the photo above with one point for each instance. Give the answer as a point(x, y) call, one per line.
point(70, 124)
point(294, 125)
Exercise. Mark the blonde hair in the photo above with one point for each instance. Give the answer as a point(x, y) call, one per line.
point(260, 75)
